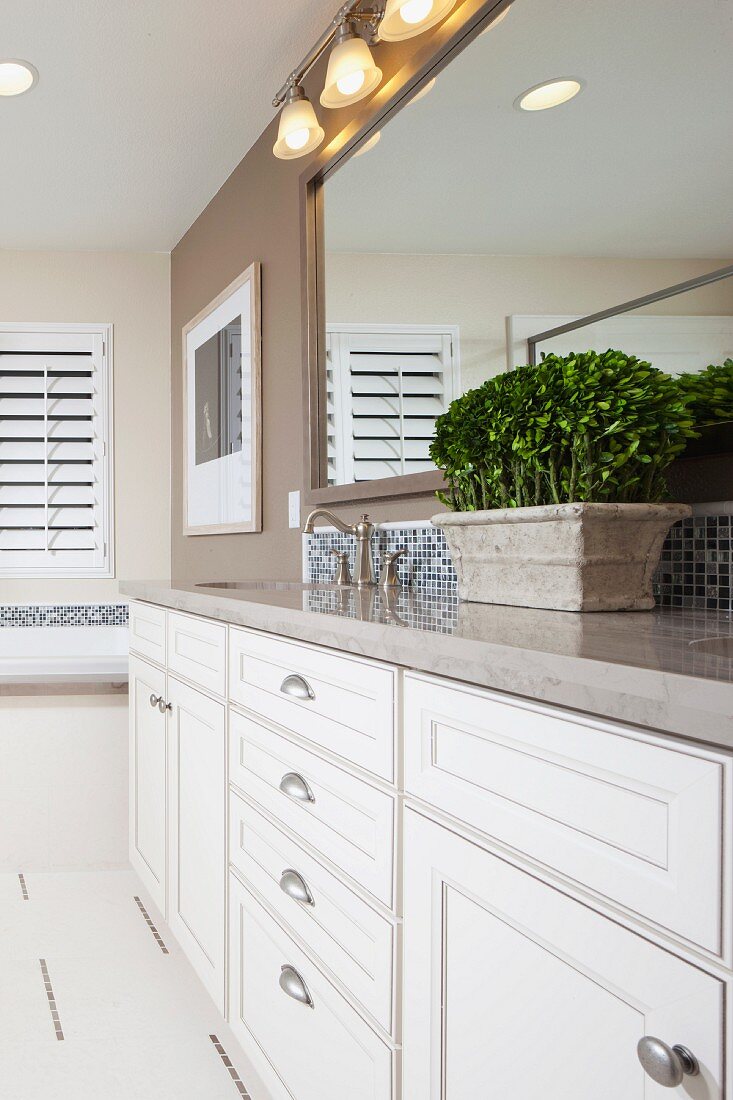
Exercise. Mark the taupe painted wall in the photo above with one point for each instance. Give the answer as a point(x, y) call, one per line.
point(256, 216)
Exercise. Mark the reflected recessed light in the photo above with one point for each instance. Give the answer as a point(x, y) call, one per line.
point(495, 22)
point(373, 140)
point(16, 76)
point(425, 90)
point(551, 93)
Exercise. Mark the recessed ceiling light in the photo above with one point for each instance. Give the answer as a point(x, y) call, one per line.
point(16, 76)
point(551, 93)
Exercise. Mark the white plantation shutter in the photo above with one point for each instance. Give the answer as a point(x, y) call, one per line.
point(54, 451)
point(384, 389)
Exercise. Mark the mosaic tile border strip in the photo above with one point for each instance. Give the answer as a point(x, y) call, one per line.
point(64, 614)
point(151, 926)
point(23, 888)
point(231, 1070)
point(694, 570)
point(51, 1001)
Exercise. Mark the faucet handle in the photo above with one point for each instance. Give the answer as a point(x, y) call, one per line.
point(389, 577)
point(342, 574)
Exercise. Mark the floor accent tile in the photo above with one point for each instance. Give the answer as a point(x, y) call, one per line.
point(230, 1068)
point(51, 1001)
point(23, 887)
point(151, 926)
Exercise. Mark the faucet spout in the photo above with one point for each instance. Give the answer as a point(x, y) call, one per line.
point(362, 531)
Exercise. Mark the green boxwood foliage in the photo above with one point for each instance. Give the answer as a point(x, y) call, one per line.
point(710, 393)
point(583, 427)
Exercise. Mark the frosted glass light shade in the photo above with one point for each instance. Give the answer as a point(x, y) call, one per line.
point(406, 18)
point(299, 131)
point(351, 73)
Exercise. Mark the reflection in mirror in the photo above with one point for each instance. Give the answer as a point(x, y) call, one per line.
point(473, 224)
point(218, 390)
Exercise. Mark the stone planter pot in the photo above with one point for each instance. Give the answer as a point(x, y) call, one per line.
point(567, 557)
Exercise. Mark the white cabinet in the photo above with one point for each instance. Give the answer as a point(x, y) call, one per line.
point(514, 989)
point(148, 778)
point(197, 831)
point(307, 1042)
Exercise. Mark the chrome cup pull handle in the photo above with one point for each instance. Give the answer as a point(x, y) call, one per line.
point(292, 984)
point(155, 699)
point(295, 886)
point(297, 687)
point(294, 786)
point(666, 1065)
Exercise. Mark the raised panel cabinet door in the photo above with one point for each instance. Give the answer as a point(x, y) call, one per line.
point(197, 836)
point(148, 779)
point(514, 989)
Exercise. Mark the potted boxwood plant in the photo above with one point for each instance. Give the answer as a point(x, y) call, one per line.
point(555, 482)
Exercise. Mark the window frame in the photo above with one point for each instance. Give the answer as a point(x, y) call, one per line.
point(103, 332)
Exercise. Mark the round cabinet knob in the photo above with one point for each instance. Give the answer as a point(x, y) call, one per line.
point(666, 1065)
point(155, 700)
point(163, 706)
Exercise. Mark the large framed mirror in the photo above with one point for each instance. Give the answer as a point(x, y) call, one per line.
point(552, 162)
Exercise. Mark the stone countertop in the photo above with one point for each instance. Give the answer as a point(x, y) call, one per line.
point(638, 667)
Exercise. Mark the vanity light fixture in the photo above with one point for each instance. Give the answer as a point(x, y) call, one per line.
point(425, 90)
point(16, 76)
point(373, 140)
point(300, 131)
point(406, 18)
point(551, 93)
point(352, 73)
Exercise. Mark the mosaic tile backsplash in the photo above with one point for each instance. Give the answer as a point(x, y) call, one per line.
point(694, 570)
point(64, 614)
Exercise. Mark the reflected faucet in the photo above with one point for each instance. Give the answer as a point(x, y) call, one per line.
point(362, 531)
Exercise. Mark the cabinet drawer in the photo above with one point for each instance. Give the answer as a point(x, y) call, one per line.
point(352, 940)
point(320, 1050)
point(637, 821)
point(147, 631)
point(339, 703)
point(346, 820)
point(197, 651)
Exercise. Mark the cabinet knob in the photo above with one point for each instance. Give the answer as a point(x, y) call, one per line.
point(155, 700)
point(295, 886)
point(292, 984)
point(297, 687)
point(666, 1065)
point(294, 786)
point(163, 706)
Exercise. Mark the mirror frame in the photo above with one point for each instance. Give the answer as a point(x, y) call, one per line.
point(424, 62)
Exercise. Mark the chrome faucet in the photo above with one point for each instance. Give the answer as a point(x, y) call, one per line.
point(362, 531)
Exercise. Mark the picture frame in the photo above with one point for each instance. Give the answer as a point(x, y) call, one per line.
point(222, 416)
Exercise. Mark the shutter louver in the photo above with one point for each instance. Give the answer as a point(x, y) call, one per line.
point(385, 389)
point(51, 461)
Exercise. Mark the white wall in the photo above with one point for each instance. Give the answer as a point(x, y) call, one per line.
point(132, 291)
point(479, 292)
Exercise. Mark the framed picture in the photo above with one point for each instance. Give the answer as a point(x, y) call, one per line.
point(222, 415)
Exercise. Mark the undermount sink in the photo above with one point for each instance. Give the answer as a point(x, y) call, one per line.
point(255, 586)
point(717, 647)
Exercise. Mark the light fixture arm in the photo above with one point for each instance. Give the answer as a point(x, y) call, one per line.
point(355, 11)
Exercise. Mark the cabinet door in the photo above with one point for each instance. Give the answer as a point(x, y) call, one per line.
point(148, 779)
point(512, 988)
point(197, 785)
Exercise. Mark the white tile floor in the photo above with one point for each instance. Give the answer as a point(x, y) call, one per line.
point(136, 1022)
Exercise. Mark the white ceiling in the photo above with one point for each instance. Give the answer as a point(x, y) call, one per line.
point(640, 164)
point(141, 112)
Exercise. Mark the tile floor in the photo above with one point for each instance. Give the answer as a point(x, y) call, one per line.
point(94, 1008)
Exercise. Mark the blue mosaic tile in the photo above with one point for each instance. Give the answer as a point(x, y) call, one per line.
point(64, 614)
point(694, 571)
